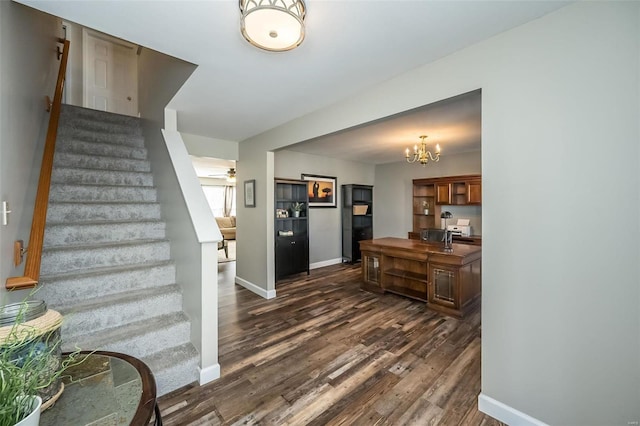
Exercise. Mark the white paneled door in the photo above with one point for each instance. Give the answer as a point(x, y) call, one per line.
point(110, 74)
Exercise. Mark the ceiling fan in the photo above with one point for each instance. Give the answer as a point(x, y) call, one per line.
point(230, 175)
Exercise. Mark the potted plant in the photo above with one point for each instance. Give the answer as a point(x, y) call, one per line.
point(425, 207)
point(30, 362)
point(297, 208)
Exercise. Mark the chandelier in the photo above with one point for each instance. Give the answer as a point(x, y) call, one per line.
point(274, 25)
point(422, 154)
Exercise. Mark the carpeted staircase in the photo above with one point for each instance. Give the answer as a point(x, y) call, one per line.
point(106, 262)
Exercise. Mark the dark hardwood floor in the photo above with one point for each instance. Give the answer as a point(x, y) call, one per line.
point(326, 353)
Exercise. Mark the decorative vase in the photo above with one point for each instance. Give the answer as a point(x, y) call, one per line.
point(426, 212)
point(32, 419)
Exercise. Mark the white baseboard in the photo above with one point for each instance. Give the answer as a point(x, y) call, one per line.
point(325, 263)
point(504, 413)
point(267, 294)
point(209, 374)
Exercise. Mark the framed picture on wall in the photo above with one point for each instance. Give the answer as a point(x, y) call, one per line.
point(250, 193)
point(322, 190)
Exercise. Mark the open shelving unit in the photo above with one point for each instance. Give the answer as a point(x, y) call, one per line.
point(291, 232)
point(357, 219)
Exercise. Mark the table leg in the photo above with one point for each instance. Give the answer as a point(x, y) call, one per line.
point(158, 420)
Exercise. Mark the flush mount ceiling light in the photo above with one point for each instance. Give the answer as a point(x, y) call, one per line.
point(274, 25)
point(422, 154)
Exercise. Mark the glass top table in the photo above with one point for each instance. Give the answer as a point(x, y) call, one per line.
point(106, 388)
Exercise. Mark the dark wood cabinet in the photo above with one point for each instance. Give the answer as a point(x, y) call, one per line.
point(474, 192)
point(357, 219)
point(291, 228)
point(423, 211)
point(371, 271)
point(443, 191)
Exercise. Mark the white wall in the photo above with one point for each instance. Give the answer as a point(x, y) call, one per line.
point(28, 72)
point(560, 146)
point(325, 228)
point(203, 146)
point(393, 192)
point(74, 83)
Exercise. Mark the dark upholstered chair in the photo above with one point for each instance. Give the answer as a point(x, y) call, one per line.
point(432, 235)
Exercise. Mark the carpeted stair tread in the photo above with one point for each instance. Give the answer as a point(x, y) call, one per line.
point(71, 112)
point(118, 298)
point(85, 124)
point(78, 146)
point(103, 245)
point(81, 176)
point(118, 126)
point(103, 222)
point(80, 257)
point(81, 211)
point(121, 138)
point(105, 270)
point(125, 307)
point(100, 162)
point(173, 367)
point(138, 338)
point(65, 233)
point(80, 192)
point(68, 288)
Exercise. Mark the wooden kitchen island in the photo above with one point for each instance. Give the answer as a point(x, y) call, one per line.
point(450, 282)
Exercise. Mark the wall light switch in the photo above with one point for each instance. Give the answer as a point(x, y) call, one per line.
point(5, 212)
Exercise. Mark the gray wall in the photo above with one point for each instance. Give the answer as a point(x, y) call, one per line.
point(560, 145)
point(28, 72)
point(325, 229)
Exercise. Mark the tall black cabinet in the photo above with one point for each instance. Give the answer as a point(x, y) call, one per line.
point(357, 219)
point(291, 227)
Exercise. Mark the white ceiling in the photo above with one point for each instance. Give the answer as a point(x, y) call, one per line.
point(453, 123)
point(239, 91)
point(212, 168)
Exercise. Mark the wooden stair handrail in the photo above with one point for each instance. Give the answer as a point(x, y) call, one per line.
point(34, 249)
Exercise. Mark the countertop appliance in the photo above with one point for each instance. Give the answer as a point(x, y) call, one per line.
point(462, 228)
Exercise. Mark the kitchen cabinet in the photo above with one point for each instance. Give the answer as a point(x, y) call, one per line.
point(291, 230)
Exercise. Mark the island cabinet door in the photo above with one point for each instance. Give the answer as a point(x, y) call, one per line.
point(443, 287)
point(371, 270)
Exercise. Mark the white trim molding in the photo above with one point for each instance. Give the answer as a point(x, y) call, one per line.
point(209, 374)
point(325, 263)
point(504, 413)
point(267, 294)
